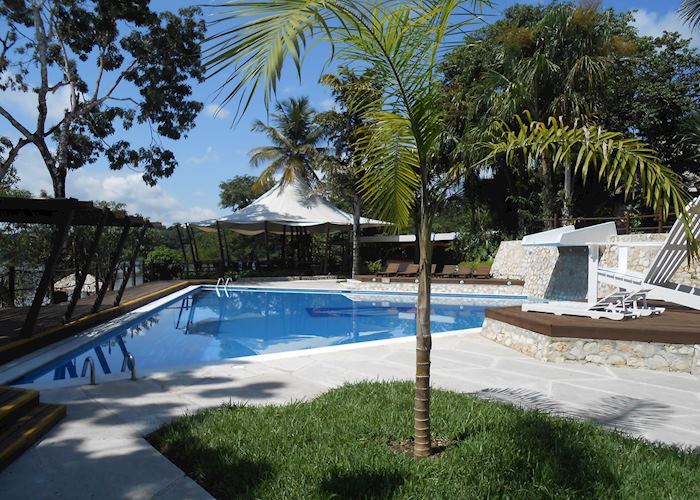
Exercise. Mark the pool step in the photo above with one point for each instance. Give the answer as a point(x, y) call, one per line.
point(23, 420)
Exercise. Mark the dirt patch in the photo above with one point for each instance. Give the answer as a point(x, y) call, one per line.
point(438, 446)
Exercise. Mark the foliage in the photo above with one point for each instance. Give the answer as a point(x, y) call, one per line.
point(690, 11)
point(236, 193)
point(335, 446)
point(163, 263)
point(131, 47)
point(618, 161)
point(295, 144)
point(374, 266)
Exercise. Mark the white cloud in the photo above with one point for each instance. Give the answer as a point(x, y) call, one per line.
point(651, 23)
point(216, 112)
point(24, 104)
point(209, 156)
point(326, 105)
point(153, 202)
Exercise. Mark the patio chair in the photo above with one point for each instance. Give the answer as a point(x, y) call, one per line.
point(657, 278)
point(483, 272)
point(411, 270)
point(447, 271)
point(391, 269)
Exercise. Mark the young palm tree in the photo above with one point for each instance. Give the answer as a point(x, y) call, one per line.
point(402, 41)
point(295, 144)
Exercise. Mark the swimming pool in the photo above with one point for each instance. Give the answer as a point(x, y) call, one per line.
point(206, 326)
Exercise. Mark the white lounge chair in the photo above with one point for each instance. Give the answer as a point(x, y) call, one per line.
point(657, 278)
point(616, 306)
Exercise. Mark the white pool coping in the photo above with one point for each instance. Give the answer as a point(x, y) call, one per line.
point(15, 369)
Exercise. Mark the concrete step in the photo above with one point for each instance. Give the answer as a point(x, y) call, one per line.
point(24, 421)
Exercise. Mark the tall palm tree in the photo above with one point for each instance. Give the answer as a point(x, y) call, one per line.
point(295, 146)
point(354, 93)
point(402, 41)
point(690, 11)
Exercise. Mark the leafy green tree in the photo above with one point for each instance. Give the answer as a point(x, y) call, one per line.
point(295, 148)
point(142, 63)
point(551, 60)
point(163, 263)
point(236, 193)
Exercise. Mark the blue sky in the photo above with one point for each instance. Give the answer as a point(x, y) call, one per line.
point(215, 150)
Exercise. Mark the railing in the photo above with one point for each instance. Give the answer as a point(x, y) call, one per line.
point(627, 224)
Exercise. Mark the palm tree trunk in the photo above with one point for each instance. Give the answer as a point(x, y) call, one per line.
point(422, 445)
point(568, 192)
point(356, 257)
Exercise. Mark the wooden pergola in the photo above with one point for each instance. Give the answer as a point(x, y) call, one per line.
point(65, 213)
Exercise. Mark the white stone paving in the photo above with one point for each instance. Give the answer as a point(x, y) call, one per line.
point(99, 450)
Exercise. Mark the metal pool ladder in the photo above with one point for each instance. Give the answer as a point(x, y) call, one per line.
point(131, 363)
point(89, 363)
point(223, 283)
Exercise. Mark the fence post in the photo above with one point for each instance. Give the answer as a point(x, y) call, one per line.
point(628, 222)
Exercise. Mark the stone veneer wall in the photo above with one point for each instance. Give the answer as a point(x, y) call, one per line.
point(438, 287)
point(549, 273)
point(511, 261)
point(633, 354)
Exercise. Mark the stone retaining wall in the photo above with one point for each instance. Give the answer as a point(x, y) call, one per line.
point(438, 287)
point(633, 354)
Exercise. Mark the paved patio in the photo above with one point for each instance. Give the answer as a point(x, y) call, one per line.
point(99, 450)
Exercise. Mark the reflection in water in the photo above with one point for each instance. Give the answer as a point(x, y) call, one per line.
point(204, 327)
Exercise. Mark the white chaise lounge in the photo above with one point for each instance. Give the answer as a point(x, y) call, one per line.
point(656, 281)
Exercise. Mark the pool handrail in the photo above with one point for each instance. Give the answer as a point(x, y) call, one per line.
point(89, 362)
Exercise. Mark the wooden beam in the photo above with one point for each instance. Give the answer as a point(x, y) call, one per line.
point(113, 263)
point(81, 275)
point(132, 265)
point(190, 237)
point(47, 277)
point(227, 252)
point(284, 245)
point(327, 259)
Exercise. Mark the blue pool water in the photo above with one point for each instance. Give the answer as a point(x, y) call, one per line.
point(203, 327)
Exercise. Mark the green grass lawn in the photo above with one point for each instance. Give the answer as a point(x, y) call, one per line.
point(336, 446)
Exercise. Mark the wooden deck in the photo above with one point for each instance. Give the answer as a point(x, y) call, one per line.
point(678, 325)
point(50, 328)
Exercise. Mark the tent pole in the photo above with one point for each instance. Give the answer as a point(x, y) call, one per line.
point(80, 276)
point(221, 249)
point(284, 237)
point(193, 247)
point(267, 247)
point(328, 249)
point(182, 246)
point(227, 253)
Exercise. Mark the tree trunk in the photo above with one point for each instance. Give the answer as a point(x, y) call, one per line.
point(422, 445)
point(568, 192)
point(356, 257)
point(547, 190)
point(59, 184)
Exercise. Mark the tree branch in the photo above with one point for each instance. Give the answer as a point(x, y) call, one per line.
point(7, 163)
point(21, 128)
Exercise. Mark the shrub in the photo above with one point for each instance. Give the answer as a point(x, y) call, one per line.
point(163, 263)
point(374, 266)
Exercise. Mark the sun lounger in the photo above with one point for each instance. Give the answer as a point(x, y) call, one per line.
point(616, 306)
point(391, 269)
point(411, 270)
point(447, 271)
point(483, 272)
point(463, 271)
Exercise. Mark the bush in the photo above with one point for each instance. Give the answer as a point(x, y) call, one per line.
point(374, 266)
point(163, 263)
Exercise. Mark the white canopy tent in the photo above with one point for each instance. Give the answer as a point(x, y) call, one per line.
point(291, 204)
